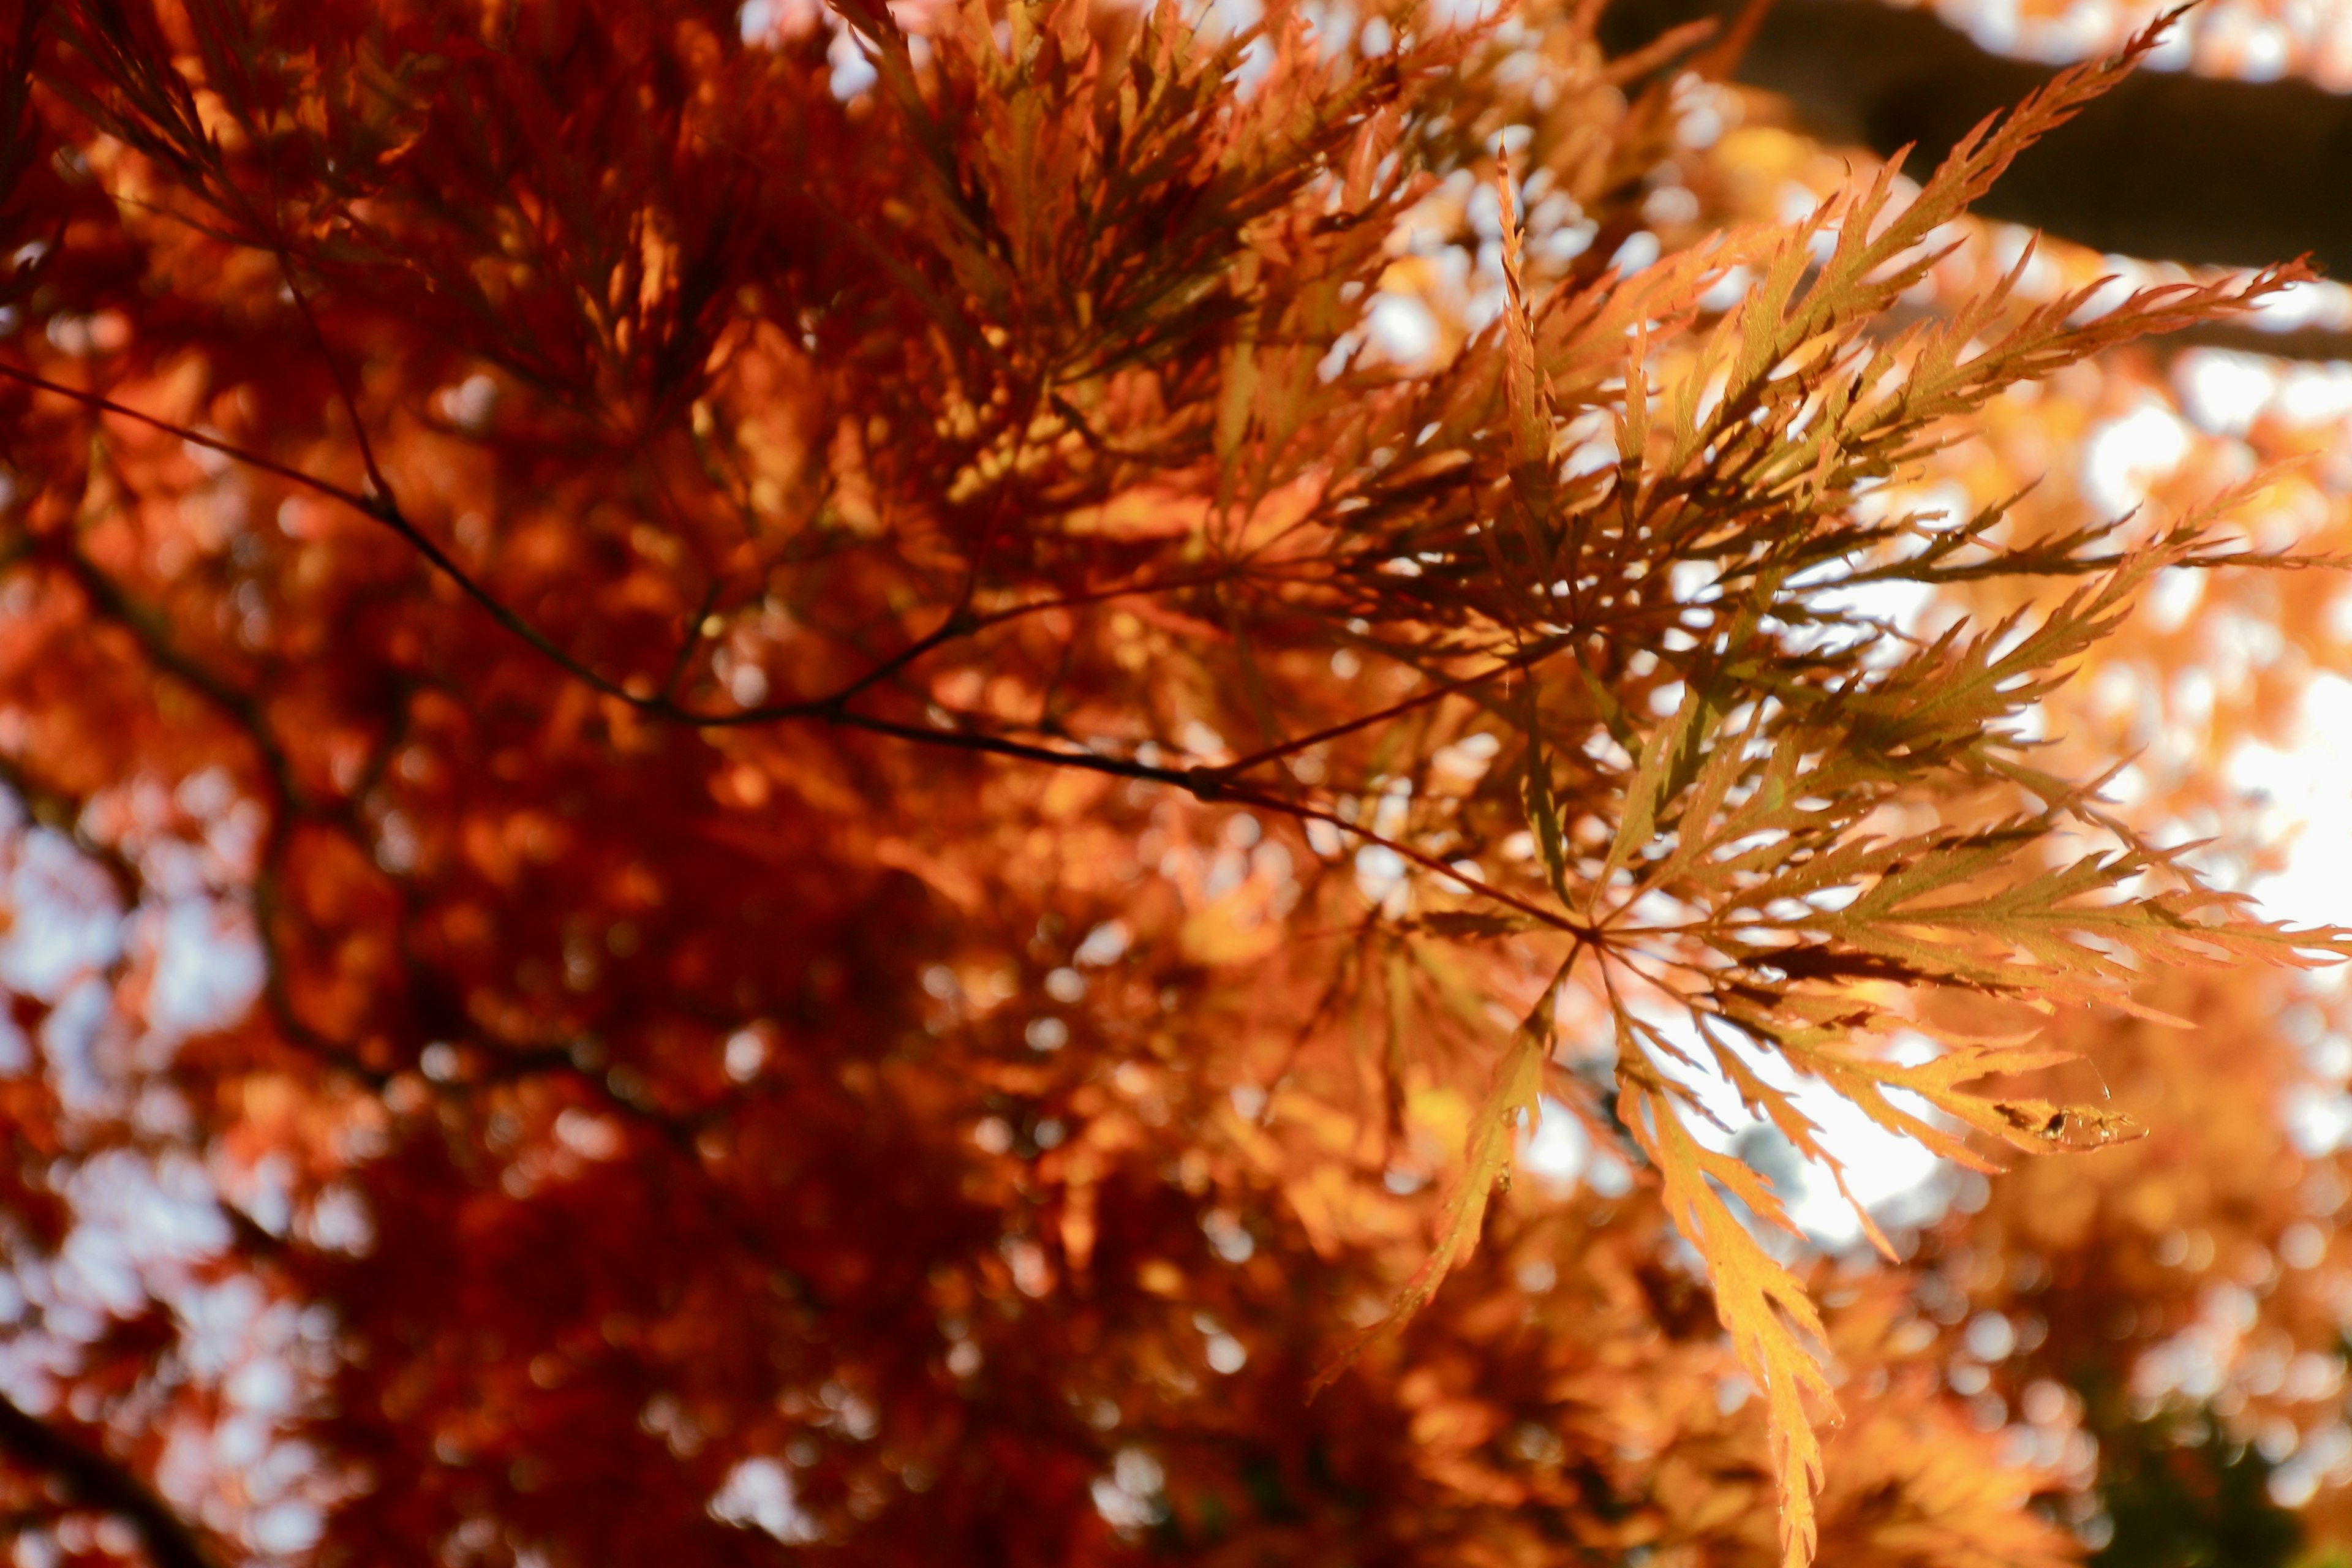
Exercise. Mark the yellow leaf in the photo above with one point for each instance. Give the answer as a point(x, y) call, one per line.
point(1762, 1306)
point(1518, 1078)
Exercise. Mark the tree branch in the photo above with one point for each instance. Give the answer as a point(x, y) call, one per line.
point(1205, 784)
point(100, 1481)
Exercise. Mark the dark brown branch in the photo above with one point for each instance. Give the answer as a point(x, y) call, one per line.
point(1522, 659)
point(99, 1482)
point(2168, 166)
point(62, 812)
point(1205, 783)
point(830, 707)
point(107, 600)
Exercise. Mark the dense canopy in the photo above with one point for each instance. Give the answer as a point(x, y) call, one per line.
point(1045, 783)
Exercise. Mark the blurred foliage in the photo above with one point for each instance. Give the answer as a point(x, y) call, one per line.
point(833, 786)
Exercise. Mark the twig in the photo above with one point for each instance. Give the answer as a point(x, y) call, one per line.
point(1205, 783)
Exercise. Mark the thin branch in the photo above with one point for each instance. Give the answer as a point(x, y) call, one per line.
point(343, 390)
point(830, 707)
point(1206, 784)
point(690, 642)
point(380, 510)
point(1208, 790)
point(109, 600)
point(1519, 660)
point(62, 812)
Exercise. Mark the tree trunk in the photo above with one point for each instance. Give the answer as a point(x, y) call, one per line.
point(2168, 166)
